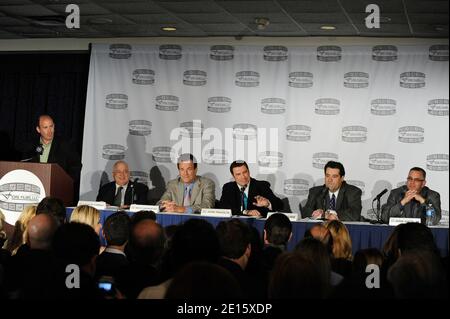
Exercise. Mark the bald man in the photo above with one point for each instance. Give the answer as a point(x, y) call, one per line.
point(41, 229)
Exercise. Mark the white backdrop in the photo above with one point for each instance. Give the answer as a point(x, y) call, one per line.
point(286, 110)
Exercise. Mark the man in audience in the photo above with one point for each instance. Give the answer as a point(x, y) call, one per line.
point(411, 200)
point(188, 193)
point(335, 199)
point(122, 192)
point(53, 206)
point(247, 195)
point(277, 233)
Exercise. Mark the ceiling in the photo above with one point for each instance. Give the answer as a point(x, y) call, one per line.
point(201, 18)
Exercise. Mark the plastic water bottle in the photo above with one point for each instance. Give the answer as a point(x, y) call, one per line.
point(429, 215)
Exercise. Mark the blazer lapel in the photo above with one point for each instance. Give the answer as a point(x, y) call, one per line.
point(53, 151)
point(195, 190)
point(340, 197)
point(180, 193)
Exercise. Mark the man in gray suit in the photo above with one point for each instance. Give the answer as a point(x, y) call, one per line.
point(411, 200)
point(188, 193)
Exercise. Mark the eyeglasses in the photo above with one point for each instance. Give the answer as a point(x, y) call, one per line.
point(415, 180)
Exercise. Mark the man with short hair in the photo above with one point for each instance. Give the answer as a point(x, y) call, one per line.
point(52, 206)
point(411, 200)
point(122, 192)
point(335, 199)
point(41, 229)
point(277, 234)
point(188, 193)
point(247, 195)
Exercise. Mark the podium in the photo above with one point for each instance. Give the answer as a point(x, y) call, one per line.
point(57, 183)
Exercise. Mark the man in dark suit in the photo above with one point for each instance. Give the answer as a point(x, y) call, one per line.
point(247, 195)
point(411, 200)
point(122, 193)
point(335, 199)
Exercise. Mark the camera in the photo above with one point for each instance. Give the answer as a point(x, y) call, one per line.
point(106, 286)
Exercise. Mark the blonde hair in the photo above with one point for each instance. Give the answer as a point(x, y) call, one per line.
point(86, 215)
point(20, 235)
point(342, 242)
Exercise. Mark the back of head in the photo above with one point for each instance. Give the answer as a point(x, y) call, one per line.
point(414, 236)
point(366, 257)
point(41, 229)
point(86, 215)
point(342, 242)
point(201, 280)
point(234, 238)
point(141, 215)
point(53, 206)
point(117, 229)
point(278, 229)
point(322, 234)
point(147, 242)
point(75, 243)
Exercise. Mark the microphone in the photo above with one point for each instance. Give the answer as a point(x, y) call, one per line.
point(384, 191)
point(378, 211)
point(134, 182)
point(132, 189)
point(39, 149)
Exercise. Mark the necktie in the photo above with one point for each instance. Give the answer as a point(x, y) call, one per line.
point(333, 202)
point(118, 198)
point(187, 196)
point(243, 198)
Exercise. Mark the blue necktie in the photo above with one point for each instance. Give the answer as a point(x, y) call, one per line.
point(333, 202)
point(243, 198)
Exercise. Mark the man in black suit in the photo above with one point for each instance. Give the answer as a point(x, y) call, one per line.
point(411, 200)
point(335, 199)
point(122, 193)
point(247, 195)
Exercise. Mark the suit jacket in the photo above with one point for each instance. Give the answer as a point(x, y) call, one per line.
point(203, 193)
point(393, 208)
point(108, 191)
point(231, 197)
point(348, 202)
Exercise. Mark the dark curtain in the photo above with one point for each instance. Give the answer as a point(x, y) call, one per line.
point(32, 84)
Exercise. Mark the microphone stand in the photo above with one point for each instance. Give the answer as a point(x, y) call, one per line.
point(132, 192)
point(377, 212)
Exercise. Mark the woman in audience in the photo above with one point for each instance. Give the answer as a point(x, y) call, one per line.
point(342, 248)
point(19, 236)
point(87, 215)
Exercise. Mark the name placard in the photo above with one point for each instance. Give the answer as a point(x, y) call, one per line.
point(136, 208)
point(293, 217)
point(97, 205)
point(394, 221)
point(215, 212)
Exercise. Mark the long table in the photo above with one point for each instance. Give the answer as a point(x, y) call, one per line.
point(364, 235)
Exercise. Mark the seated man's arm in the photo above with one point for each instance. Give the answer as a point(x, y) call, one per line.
point(276, 203)
point(168, 194)
point(141, 193)
point(353, 211)
point(310, 205)
point(392, 208)
point(226, 200)
point(435, 199)
point(208, 196)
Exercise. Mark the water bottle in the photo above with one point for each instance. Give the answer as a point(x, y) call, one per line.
point(429, 215)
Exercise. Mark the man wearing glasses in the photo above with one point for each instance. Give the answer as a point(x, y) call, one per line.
point(411, 200)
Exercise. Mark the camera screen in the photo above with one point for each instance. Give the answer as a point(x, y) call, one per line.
point(105, 286)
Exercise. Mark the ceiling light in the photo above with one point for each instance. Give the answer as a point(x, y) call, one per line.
point(328, 27)
point(169, 29)
point(262, 23)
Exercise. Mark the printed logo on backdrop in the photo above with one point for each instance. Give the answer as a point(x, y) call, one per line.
point(356, 80)
point(296, 187)
point(275, 53)
point(143, 176)
point(113, 152)
point(298, 133)
point(270, 159)
point(143, 77)
point(411, 134)
point(300, 79)
point(167, 102)
point(247, 79)
point(354, 134)
point(327, 106)
point(383, 107)
point(438, 52)
point(245, 131)
point(412, 80)
point(215, 156)
point(273, 105)
point(140, 127)
point(360, 184)
point(437, 162)
point(18, 189)
point(192, 129)
point(320, 159)
point(170, 52)
point(194, 77)
point(384, 53)
point(329, 53)
point(163, 154)
point(381, 161)
point(120, 51)
point(444, 218)
point(438, 107)
point(116, 101)
point(219, 104)
point(221, 52)
point(400, 184)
